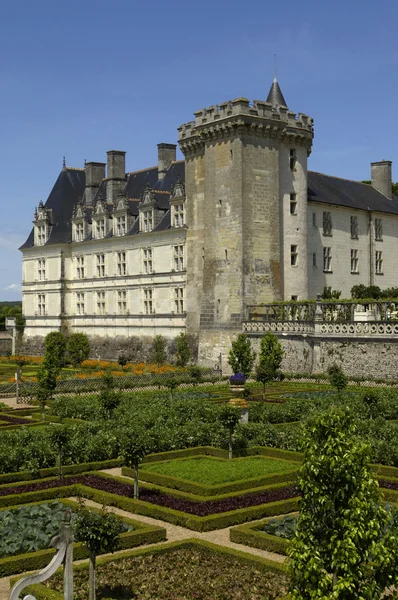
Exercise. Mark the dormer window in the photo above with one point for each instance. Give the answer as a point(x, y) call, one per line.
point(147, 221)
point(100, 228)
point(179, 216)
point(79, 231)
point(121, 225)
point(42, 225)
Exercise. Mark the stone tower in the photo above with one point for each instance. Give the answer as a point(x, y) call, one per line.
point(244, 167)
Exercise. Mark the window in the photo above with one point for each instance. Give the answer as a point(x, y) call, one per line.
point(147, 219)
point(294, 298)
point(100, 265)
point(354, 227)
point(378, 230)
point(148, 301)
point(327, 260)
point(292, 159)
point(178, 215)
point(327, 223)
point(179, 258)
point(80, 303)
point(293, 204)
point(100, 228)
point(179, 300)
point(147, 261)
point(122, 302)
point(121, 225)
point(219, 208)
point(293, 256)
point(121, 263)
point(101, 303)
point(41, 269)
point(79, 232)
point(314, 219)
point(379, 262)
point(41, 304)
point(314, 259)
point(41, 235)
point(80, 267)
point(354, 261)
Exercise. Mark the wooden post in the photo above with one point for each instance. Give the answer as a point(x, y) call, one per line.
point(68, 558)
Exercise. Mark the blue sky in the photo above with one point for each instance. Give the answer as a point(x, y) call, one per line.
point(78, 78)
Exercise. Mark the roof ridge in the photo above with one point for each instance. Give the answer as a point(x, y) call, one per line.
point(74, 169)
point(173, 162)
point(161, 192)
point(342, 178)
point(142, 170)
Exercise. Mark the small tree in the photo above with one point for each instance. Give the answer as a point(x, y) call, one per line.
point(55, 344)
point(78, 347)
point(183, 352)
point(270, 360)
point(59, 436)
point(135, 444)
point(230, 417)
point(47, 381)
point(196, 374)
point(241, 356)
point(337, 379)
point(122, 360)
point(109, 399)
point(158, 350)
point(172, 383)
point(345, 544)
point(100, 532)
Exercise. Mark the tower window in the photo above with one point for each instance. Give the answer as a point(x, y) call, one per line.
point(379, 262)
point(314, 219)
point(327, 223)
point(293, 256)
point(292, 159)
point(354, 227)
point(379, 230)
point(293, 204)
point(354, 261)
point(327, 260)
point(314, 259)
point(219, 208)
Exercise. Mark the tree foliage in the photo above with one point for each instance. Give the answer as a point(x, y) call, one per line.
point(78, 348)
point(270, 360)
point(158, 353)
point(183, 352)
point(135, 443)
point(55, 344)
point(346, 541)
point(99, 532)
point(109, 399)
point(241, 356)
point(337, 378)
point(47, 380)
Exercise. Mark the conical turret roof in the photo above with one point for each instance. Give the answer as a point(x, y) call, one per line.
point(275, 96)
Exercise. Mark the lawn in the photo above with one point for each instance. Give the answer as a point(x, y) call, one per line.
point(213, 471)
point(178, 574)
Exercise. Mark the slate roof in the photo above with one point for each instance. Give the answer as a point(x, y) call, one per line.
point(275, 95)
point(350, 194)
point(69, 189)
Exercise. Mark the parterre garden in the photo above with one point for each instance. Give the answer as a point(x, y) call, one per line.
point(181, 441)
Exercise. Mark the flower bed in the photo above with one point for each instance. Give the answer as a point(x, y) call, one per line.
point(179, 570)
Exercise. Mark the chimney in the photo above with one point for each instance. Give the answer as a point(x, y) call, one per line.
point(166, 155)
point(382, 177)
point(116, 174)
point(95, 173)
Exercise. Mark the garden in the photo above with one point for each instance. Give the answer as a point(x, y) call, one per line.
point(190, 457)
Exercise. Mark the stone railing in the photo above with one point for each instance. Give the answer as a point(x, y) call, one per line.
point(338, 312)
point(327, 328)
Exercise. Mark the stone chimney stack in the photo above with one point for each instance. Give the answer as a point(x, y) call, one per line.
point(382, 177)
point(167, 153)
point(116, 174)
point(95, 173)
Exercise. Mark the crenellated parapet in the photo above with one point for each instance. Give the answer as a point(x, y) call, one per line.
point(239, 116)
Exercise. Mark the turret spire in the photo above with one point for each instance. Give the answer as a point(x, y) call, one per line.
point(275, 96)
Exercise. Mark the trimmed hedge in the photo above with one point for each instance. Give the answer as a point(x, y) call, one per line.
point(250, 535)
point(42, 592)
point(20, 476)
point(143, 534)
point(175, 483)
